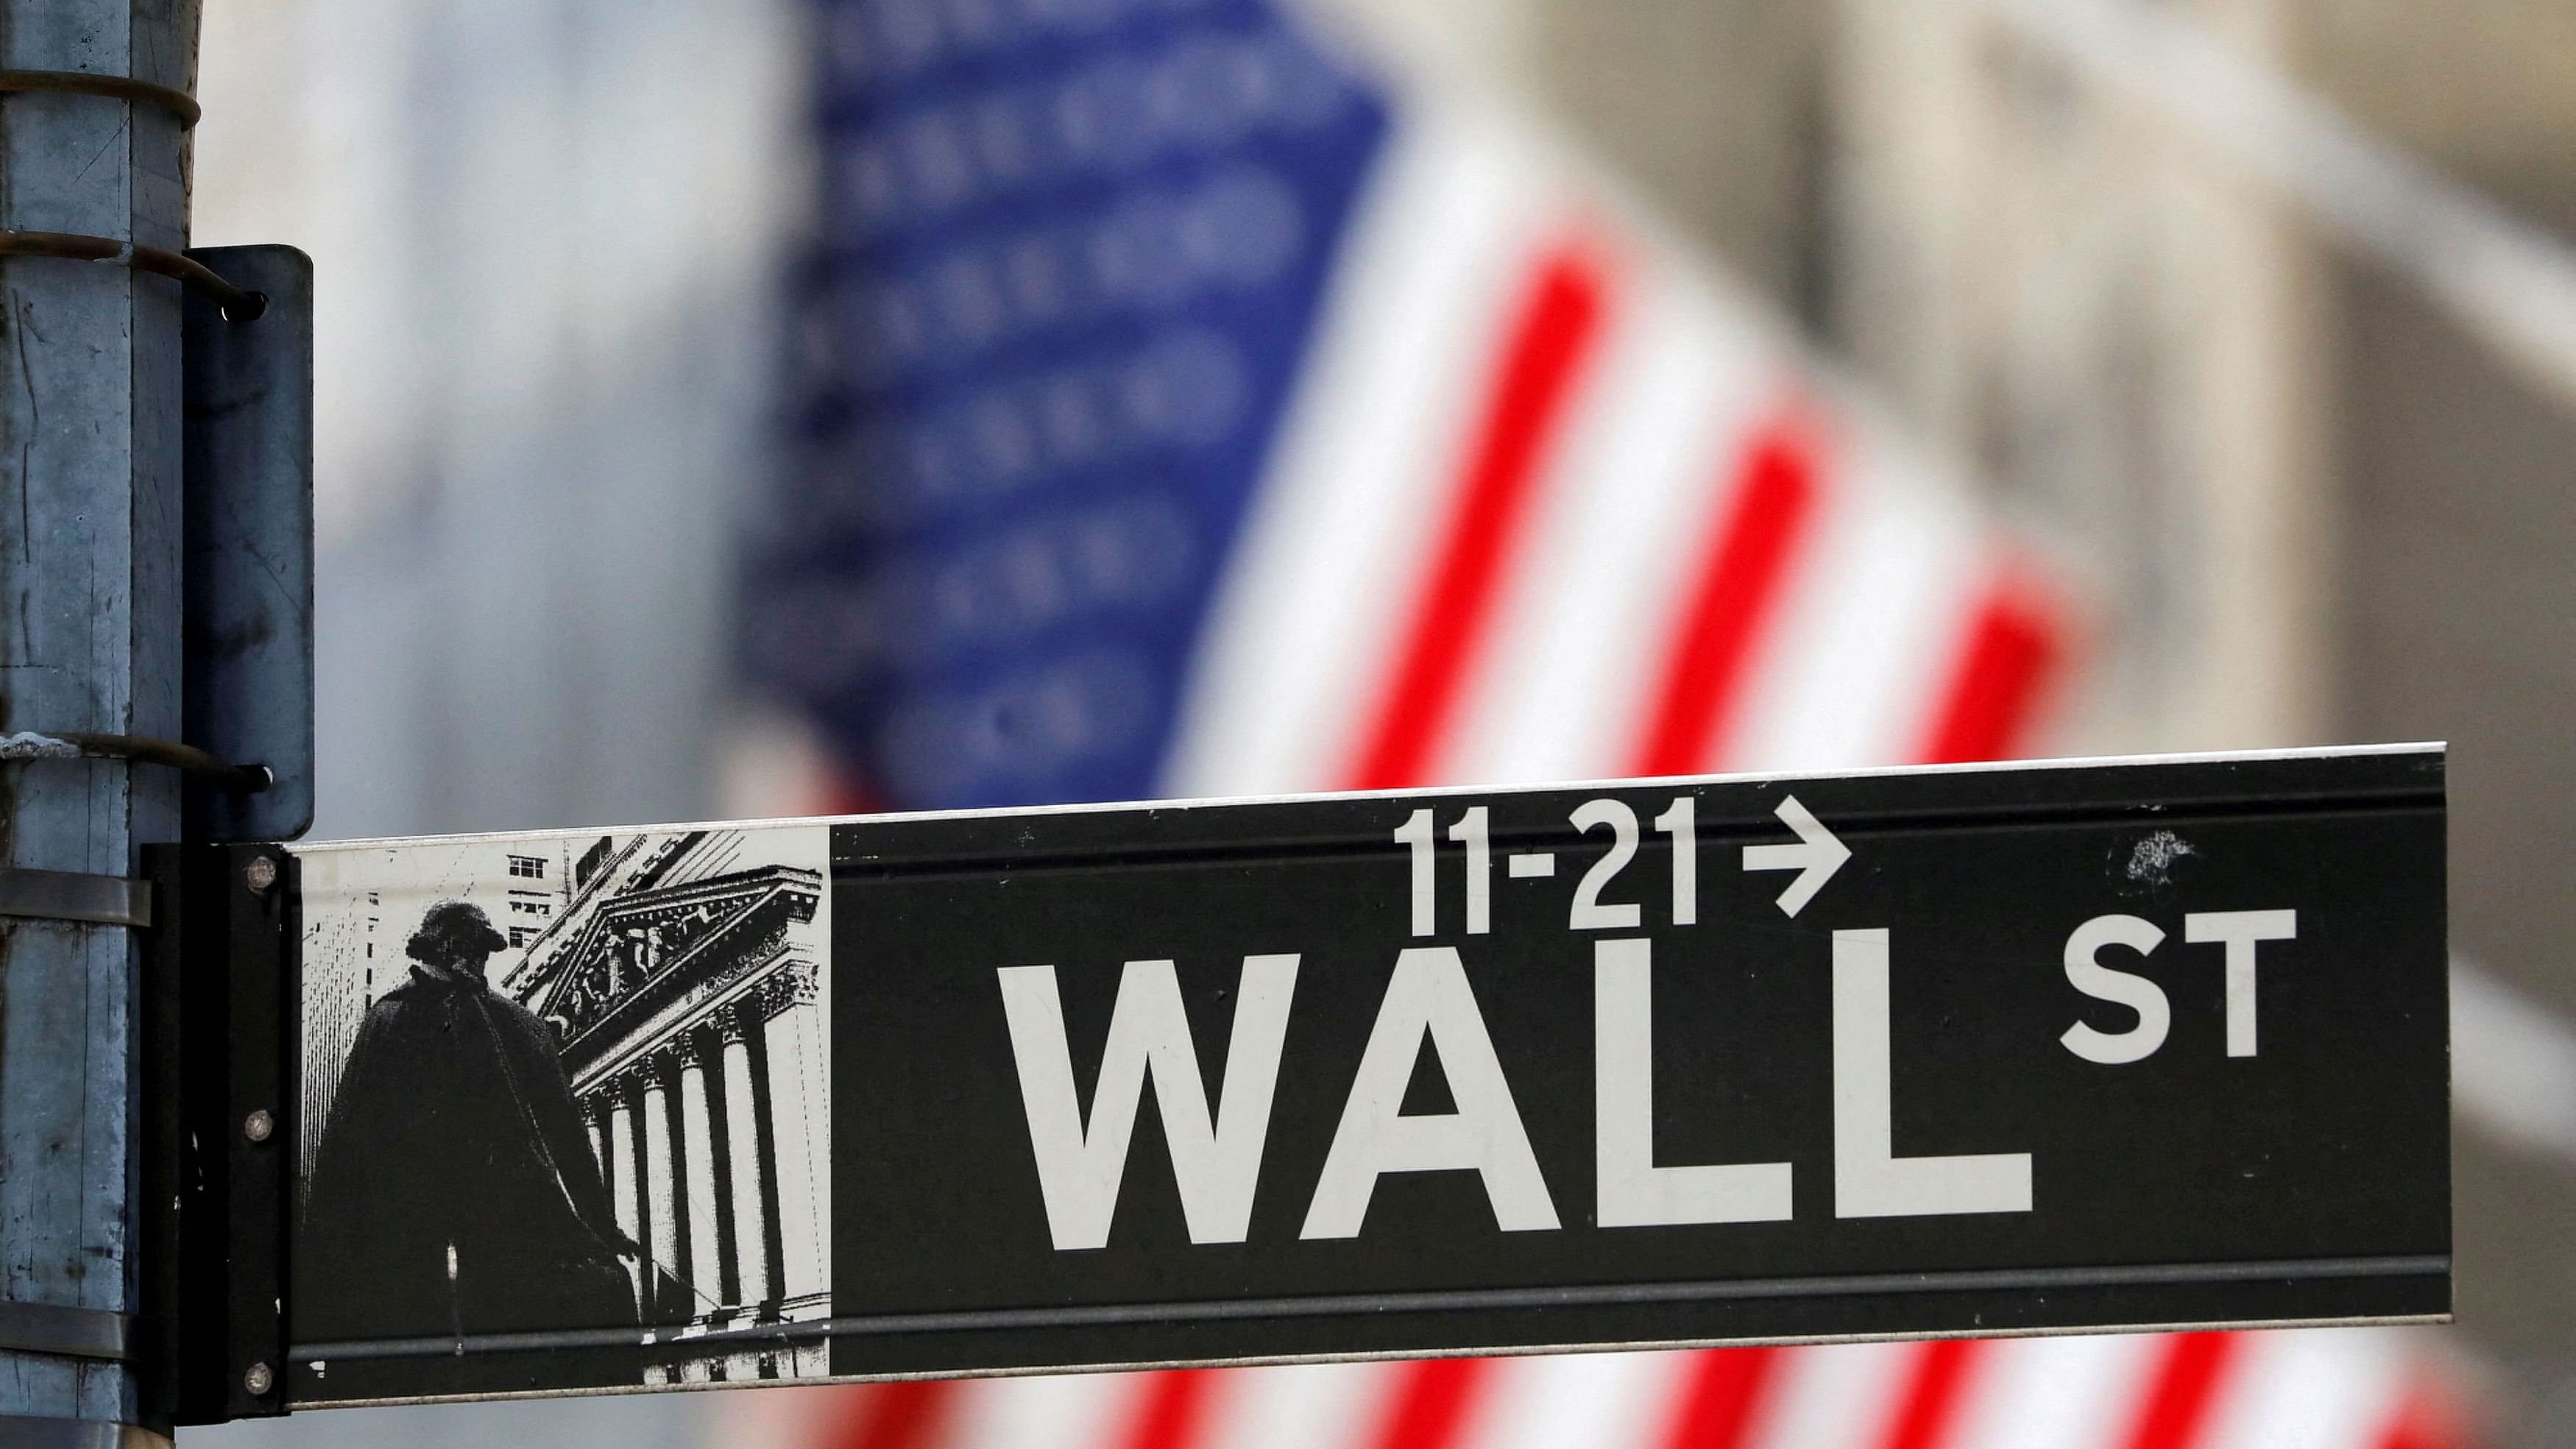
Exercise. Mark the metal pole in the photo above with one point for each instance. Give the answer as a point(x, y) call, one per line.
point(89, 641)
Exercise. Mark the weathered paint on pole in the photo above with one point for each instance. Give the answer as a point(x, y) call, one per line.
point(90, 453)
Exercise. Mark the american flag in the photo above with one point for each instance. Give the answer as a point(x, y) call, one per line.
point(1183, 407)
point(2301, 1389)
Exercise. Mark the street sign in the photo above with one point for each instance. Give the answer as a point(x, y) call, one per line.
point(1970, 1050)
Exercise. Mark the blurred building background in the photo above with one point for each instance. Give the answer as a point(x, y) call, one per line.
point(551, 233)
point(2307, 455)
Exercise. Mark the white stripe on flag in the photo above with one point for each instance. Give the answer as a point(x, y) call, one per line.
point(2316, 1388)
point(1078, 1411)
point(1572, 668)
point(1837, 1397)
point(2058, 1393)
point(1870, 629)
point(1600, 1399)
point(1301, 1406)
point(1357, 487)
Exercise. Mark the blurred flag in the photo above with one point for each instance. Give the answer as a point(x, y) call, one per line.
point(2307, 1389)
point(1180, 409)
point(1179, 412)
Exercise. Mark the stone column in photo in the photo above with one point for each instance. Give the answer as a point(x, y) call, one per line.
point(747, 1141)
point(621, 1162)
point(799, 1048)
point(722, 1125)
point(697, 1135)
point(673, 1122)
point(663, 1203)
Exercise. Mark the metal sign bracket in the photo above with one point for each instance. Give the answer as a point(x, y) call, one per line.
point(220, 1002)
point(247, 639)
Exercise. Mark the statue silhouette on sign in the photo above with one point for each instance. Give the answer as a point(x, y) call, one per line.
point(455, 1193)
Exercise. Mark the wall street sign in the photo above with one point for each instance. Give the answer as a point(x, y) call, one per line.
point(2080, 1045)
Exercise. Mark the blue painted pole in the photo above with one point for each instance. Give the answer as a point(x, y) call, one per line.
point(90, 450)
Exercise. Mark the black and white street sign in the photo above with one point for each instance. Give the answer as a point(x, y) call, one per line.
point(1966, 1050)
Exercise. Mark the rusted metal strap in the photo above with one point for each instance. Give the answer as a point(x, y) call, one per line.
point(143, 750)
point(64, 895)
point(238, 305)
point(120, 87)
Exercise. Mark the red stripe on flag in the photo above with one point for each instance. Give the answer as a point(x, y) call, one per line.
point(1725, 1389)
point(1934, 1393)
point(1430, 1403)
point(2183, 1387)
point(1171, 1409)
point(1739, 585)
point(846, 794)
point(2015, 644)
point(1555, 332)
point(2427, 1418)
point(892, 1416)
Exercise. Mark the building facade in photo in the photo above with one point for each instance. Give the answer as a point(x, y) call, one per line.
point(683, 974)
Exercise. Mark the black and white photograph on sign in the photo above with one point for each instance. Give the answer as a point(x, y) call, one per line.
point(570, 1084)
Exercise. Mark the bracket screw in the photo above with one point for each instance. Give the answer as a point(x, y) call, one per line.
point(260, 874)
point(258, 1125)
point(258, 1380)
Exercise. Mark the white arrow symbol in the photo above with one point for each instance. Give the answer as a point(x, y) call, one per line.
point(1816, 856)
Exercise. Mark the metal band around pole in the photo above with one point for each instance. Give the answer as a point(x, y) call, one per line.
point(238, 305)
point(64, 895)
point(120, 87)
point(26, 1431)
point(68, 1332)
point(142, 749)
